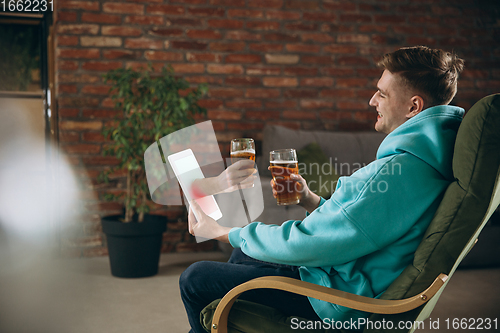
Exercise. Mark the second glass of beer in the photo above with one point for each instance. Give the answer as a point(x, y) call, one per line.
point(284, 163)
point(242, 148)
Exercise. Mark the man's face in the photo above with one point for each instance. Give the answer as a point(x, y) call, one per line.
point(392, 101)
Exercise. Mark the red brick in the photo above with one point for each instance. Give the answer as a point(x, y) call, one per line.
point(263, 25)
point(78, 101)
point(322, 60)
point(100, 18)
point(335, 115)
point(101, 65)
point(67, 40)
point(317, 82)
point(224, 69)
point(67, 88)
point(191, 2)
point(243, 81)
point(245, 126)
point(165, 9)
point(228, 3)
point(301, 4)
point(122, 8)
point(266, 47)
point(164, 56)
point(355, 126)
point(68, 112)
point(303, 48)
point(301, 93)
point(345, 49)
point(262, 115)
point(188, 68)
point(102, 113)
point(100, 160)
point(83, 78)
point(351, 82)
point(242, 35)
point(348, 105)
point(81, 148)
point(224, 114)
point(248, 13)
point(121, 31)
point(279, 82)
point(421, 41)
point(184, 22)
point(120, 54)
point(64, 16)
point(166, 32)
point(337, 71)
point(353, 60)
point(353, 38)
point(456, 42)
point(369, 72)
point(266, 4)
point(315, 104)
point(108, 102)
point(203, 57)
point(206, 11)
point(302, 71)
point(355, 18)
point(78, 29)
point(295, 114)
point(225, 92)
point(317, 37)
point(244, 103)
point(263, 70)
point(302, 26)
point(95, 90)
point(85, 5)
point(227, 46)
point(145, 20)
point(215, 80)
point(262, 93)
point(375, 28)
point(282, 15)
point(203, 34)
point(281, 37)
point(281, 104)
point(69, 125)
point(100, 41)
point(79, 53)
point(69, 136)
point(390, 19)
point(143, 43)
point(329, 17)
point(341, 6)
point(188, 45)
point(225, 24)
point(243, 58)
point(337, 93)
point(210, 103)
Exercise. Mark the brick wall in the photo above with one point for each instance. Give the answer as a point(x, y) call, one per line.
point(306, 64)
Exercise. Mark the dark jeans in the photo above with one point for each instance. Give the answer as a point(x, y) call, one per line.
point(205, 281)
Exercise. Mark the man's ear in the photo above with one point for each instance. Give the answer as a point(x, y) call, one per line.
point(416, 105)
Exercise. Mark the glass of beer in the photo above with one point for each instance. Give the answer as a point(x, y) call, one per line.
point(284, 163)
point(242, 148)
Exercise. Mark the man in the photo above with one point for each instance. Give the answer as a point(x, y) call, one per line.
point(363, 237)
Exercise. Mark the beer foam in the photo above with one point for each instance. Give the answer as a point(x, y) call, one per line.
point(249, 151)
point(283, 162)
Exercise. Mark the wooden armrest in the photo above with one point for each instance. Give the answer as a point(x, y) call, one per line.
point(353, 301)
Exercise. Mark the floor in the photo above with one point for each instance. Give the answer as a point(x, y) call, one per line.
point(81, 296)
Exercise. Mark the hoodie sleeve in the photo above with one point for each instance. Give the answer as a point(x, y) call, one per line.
point(357, 220)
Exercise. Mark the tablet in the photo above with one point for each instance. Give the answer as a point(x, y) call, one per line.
point(187, 169)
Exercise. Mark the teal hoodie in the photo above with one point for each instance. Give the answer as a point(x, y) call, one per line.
point(363, 237)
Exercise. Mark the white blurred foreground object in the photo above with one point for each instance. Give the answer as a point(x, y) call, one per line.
point(38, 198)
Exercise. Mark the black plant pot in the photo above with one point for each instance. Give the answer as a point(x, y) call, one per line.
point(134, 248)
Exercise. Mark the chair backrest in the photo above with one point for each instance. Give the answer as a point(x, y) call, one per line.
point(466, 206)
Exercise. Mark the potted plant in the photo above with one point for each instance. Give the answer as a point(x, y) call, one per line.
point(153, 105)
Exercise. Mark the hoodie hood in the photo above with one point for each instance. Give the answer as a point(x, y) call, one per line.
point(424, 135)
